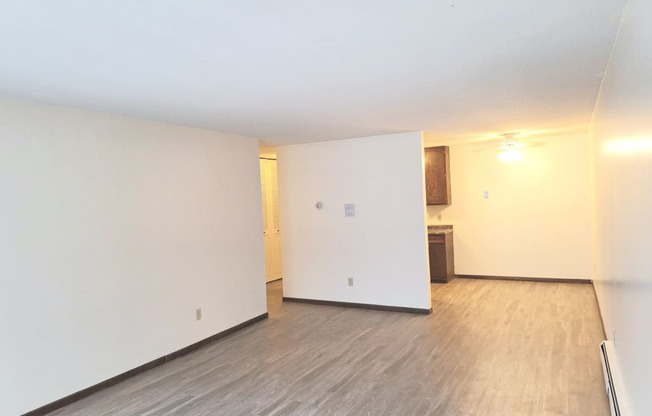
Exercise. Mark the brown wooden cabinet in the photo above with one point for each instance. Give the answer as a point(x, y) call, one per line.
point(440, 253)
point(438, 184)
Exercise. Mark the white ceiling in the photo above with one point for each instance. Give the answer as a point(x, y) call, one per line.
point(292, 71)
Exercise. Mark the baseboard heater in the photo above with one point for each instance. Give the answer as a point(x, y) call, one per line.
point(611, 376)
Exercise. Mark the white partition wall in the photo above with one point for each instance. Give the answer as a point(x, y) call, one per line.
point(382, 246)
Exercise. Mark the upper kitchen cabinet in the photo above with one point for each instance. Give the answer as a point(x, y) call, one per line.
point(438, 182)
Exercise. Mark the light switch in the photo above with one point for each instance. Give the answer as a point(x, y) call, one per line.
point(349, 210)
point(485, 194)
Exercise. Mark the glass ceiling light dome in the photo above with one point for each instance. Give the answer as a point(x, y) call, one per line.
point(510, 153)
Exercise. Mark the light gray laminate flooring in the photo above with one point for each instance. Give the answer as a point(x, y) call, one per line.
point(489, 348)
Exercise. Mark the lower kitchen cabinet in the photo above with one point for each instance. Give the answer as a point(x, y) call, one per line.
point(440, 252)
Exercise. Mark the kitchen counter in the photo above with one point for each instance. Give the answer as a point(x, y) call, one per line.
point(440, 229)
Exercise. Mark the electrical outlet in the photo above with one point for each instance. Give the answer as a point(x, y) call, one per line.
point(350, 281)
point(198, 314)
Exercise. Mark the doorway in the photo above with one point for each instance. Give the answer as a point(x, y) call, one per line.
point(271, 218)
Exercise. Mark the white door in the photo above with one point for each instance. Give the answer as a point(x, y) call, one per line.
point(271, 225)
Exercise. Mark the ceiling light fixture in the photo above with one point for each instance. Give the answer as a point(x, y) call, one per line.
point(510, 147)
point(510, 153)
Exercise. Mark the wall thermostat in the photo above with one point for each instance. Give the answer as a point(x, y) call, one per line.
point(349, 210)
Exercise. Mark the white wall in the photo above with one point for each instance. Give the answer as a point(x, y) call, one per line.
point(383, 247)
point(536, 221)
point(112, 232)
point(623, 184)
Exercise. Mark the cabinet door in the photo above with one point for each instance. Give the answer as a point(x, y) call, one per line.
point(438, 267)
point(440, 252)
point(437, 166)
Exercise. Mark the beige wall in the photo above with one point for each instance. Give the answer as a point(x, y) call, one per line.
point(623, 184)
point(112, 231)
point(536, 221)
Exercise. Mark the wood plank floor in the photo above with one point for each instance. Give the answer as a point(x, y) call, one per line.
point(489, 348)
